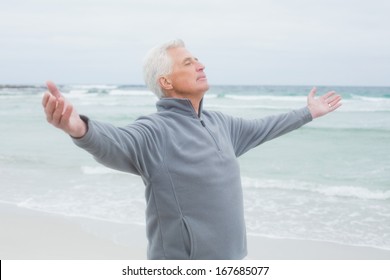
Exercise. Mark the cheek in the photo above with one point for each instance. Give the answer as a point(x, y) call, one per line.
point(183, 80)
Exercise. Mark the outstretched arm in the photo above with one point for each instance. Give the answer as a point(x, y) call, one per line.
point(324, 104)
point(61, 113)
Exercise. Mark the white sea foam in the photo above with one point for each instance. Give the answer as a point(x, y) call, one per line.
point(354, 104)
point(132, 92)
point(366, 104)
point(336, 191)
point(77, 93)
point(99, 170)
point(210, 96)
point(370, 98)
point(95, 86)
point(249, 106)
point(355, 192)
point(266, 98)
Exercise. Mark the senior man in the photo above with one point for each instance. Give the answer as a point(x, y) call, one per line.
point(186, 156)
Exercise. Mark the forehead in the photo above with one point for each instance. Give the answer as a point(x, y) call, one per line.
point(179, 54)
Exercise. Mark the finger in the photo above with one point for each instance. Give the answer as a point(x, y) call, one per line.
point(53, 89)
point(329, 94)
point(311, 95)
point(57, 114)
point(334, 101)
point(50, 107)
point(45, 99)
point(335, 106)
point(66, 115)
point(313, 92)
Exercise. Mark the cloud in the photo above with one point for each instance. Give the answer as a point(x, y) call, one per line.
point(245, 41)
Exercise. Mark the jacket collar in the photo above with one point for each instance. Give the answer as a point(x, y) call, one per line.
point(181, 106)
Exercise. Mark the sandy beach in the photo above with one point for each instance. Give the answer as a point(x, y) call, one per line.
point(29, 234)
point(262, 248)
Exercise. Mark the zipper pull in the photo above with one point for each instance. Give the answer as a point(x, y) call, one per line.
point(202, 122)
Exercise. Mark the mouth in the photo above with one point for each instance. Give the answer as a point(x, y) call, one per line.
point(201, 78)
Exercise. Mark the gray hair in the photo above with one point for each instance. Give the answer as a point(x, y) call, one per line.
point(157, 63)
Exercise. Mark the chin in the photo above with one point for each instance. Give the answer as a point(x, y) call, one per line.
point(206, 86)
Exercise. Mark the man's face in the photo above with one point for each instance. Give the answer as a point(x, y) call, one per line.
point(187, 77)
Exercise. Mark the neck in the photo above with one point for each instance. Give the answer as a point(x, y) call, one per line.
point(195, 100)
point(196, 103)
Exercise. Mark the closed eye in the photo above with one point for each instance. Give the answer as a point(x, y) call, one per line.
point(189, 60)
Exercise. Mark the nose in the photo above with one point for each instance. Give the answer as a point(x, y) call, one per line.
point(200, 66)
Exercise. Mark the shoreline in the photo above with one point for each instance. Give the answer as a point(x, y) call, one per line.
point(31, 234)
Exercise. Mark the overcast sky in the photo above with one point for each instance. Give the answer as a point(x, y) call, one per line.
point(275, 42)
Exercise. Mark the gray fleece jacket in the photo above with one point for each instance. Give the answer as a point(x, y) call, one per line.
point(189, 165)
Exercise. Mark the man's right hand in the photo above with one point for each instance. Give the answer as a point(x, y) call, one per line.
point(61, 114)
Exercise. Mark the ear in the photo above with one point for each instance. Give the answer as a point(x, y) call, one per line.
point(165, 83)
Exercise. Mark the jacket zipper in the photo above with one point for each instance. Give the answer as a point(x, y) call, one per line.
point(211, 134)
point(204, 125)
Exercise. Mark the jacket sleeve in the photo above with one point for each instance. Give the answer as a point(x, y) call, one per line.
point(129, 149)
point(247, 134)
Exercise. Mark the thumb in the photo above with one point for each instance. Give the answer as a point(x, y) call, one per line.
point(53, 89)
point(312, 93)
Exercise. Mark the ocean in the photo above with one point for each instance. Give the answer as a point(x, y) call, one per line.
point(327, 181)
